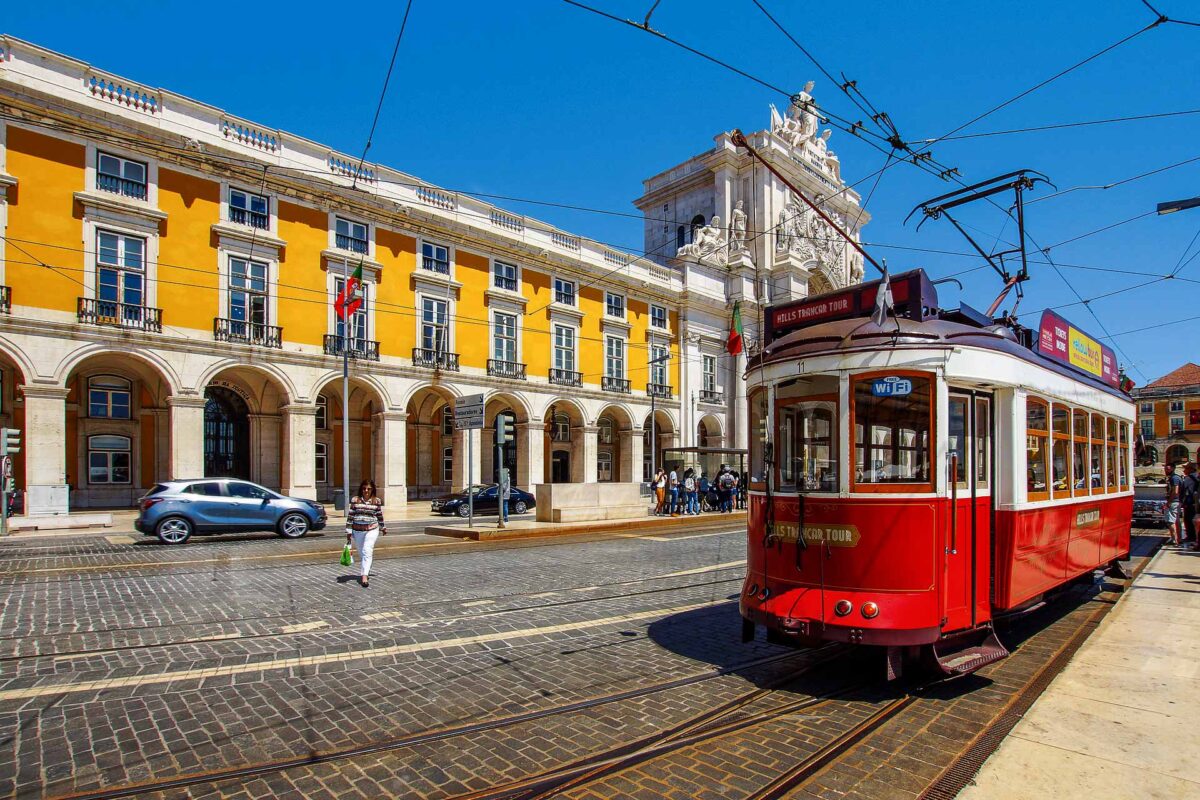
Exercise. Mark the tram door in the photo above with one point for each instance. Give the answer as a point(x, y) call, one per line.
point(967, 547)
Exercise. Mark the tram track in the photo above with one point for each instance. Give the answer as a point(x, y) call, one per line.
point(817, 657)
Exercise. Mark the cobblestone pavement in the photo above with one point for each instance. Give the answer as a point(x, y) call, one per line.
point(123, 663)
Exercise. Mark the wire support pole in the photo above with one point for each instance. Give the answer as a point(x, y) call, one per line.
point(346, 423)
point(739, 139)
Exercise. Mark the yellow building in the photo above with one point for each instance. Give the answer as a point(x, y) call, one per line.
point(1169, 419)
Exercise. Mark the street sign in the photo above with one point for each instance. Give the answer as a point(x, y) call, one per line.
point(468, 412)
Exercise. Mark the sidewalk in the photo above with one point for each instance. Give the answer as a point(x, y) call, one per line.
point(485, 528)
point(1120, 720)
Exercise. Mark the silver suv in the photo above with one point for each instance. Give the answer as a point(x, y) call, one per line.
point(174, 510)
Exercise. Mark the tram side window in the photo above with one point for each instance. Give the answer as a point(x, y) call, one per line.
point(957, 430)
point(1110, 454)
point(757, 403)
point(891, 431)
point(1060, 447)
point(1036, 435)
point(1123, 469)
point(983, 436)
point(1096, 476)
point(1079, 443)
point(808, 446)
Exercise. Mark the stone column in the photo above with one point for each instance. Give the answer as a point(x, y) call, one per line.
point(487, 453)
point(530, 455)
point(424, 474)
point(45, 449)
point(578, 455)
point(463, 477)
point(186, 446)
point(162, 444)
point(589, 436)
point(391, 457)
point(299, 464)
point(265, 466)
point(633, 448)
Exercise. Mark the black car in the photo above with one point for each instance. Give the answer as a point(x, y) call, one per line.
point(1149, 503)
point(519, 501)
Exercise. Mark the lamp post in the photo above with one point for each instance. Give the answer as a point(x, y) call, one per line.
point(1171, 206)
point(653, 421)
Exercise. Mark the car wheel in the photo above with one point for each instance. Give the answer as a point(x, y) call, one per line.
point(519, 507)
point(293, 525)
point(464, 511)
point(173, 530)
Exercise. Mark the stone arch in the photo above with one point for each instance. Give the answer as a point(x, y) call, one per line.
point(1176, 454)
point(366, 381)
point(15, 371)
point(260, 428)
point(618, 445)
point(662, 434)
point(514, 454)
point(366, 401)
point(435, 453)
point(564, 441)
point(709, 431)
point(818, 282)
point(269, 372)
point(150, 359)
point(19, 359)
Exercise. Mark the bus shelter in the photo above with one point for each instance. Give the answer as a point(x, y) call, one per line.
point(704, 460)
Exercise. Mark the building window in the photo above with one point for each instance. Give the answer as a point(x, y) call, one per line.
point(120, 176)
point(447, 421)
point(248, 297)
point(710, 373)
point(614, 305)
point(435, 258)
point(504, 337)
point(1176, 406)
point(680, 237)
point(322, 462)
point(247, 208)
point(564, 348)
point(109, 397)
point(658, 317)
point(658, 371)
point(120, 274)
point(1147, 428)
point(447, 465)
point(605, 434)
point(614, 357)
point(560, 428)
point(504, 276)
point(433, 324)
point(349, 235)
point(564, 292)
point(322, 412)
point(1176, 424)
point(108, 459)
point(355, 328)
point(604, 467)
point(1147, 408)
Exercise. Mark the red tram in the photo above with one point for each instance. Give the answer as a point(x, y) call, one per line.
point(910, 481)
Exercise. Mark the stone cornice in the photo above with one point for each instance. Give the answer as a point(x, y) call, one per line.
point(116, 204)
point(503, 296)
point(45, 391)
point(186, 401)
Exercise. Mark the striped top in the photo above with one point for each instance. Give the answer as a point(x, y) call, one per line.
point(364, 514)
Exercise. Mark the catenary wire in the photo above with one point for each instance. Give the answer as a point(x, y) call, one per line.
point(382, 94)
point(1061, 126)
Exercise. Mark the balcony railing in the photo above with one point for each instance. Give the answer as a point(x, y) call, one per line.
point(5, 299)
point(255, 219)
point(121, 315)
point(566, 377)
point(615, 384)
point(434, 359)
point(434, 265)
point(119, 185)
point(233, 330)
point(354, 347)
point(711, 396)
point(504, 282)
point(350, 243)
point(506, 369)
point(660, 390)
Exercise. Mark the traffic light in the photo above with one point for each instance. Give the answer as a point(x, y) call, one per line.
point(10, 441)
point(504, 429)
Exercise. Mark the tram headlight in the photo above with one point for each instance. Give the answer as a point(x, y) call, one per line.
point(764, 594)
point(842, 608)
point(870, 610)
point(753, 590)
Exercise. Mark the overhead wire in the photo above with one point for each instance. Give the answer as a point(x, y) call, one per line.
point(1061, 126)
point(382, 94)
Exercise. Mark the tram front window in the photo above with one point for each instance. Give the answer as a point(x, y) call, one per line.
point(806, 435)
point(892, 420)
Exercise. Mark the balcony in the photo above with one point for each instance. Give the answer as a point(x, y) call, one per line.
point(119, 315)
point(506, 369)
point(350, 243)
point(364, 349)
point(660, 390)
point(234, 330)
point(434, 359)
point(255, 219)
point(505, 283)
point(435, 265)
point(566, 377)
point(711, 396)
point(620, 385)
point(5, 299)
point(121, 186)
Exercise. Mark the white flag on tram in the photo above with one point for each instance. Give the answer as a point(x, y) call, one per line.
point(883, 300)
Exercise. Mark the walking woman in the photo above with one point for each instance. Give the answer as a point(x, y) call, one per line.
point(364, 523)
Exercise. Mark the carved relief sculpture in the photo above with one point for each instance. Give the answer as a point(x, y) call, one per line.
point(737, 230)
point(709, 245)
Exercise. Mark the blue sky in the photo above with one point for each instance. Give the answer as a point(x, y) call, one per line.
point(534, 98)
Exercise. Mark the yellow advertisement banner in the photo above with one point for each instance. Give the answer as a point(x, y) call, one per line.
point(1085, 352)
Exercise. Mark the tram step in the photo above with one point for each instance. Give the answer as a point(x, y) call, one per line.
point(969, 659)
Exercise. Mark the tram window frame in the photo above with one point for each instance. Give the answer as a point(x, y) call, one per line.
point(1124, 433)
point(758, 406)
point(1061, 436)
point(1079, 438)
point(982, 441)
point(962, 449)
point(1097, 442)
point(896, 487)
point(789, 446)
point(1041, 435)
point(1110, 454)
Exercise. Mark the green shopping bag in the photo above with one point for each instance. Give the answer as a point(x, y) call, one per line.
point(347, 559)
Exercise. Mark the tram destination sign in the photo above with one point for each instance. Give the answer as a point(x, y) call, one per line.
point(1062, 341)
point(912, 294)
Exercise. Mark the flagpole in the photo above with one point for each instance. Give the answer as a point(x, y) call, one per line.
point(346, 422)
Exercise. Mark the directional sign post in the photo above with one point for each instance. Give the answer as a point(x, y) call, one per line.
point(468, 416)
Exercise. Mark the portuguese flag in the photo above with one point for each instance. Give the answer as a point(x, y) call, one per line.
point(350, 298)
point(734, 345)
